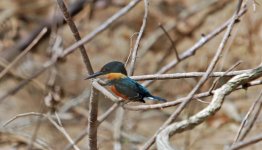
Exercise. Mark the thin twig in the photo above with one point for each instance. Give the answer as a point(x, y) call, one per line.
point(77, 140)
point(253, 119)
point(217, 79)
point(139, 37)
point(130, 49)
point(243, 123)
point(105, 115)
point(21, 55)
point(247, 142)
point(48, 116)
point(171, 41)
point(22, 115)
point(37, 127)
point(63, 131)
point(15, 73)
point(25, 82)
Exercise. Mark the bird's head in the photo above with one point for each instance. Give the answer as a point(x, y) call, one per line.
point(114, 68)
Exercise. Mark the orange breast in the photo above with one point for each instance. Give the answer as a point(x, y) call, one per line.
point(113, 76)
point(114, 90)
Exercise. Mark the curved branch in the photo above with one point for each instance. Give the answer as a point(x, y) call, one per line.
point(217, 101)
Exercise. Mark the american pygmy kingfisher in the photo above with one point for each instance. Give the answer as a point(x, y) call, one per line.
point(123, 86)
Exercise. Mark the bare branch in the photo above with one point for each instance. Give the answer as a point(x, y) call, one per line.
point(48, 116)
point(118, 123)
point(247, 142)
point(63, 131)
point(21, 55)
point(103, 117)
point(140, 34)
point(255, 108)
point(186, 75)
point(211, 109)
point(74, 30)
point(171, 41)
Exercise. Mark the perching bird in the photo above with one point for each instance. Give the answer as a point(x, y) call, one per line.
point(123, 86)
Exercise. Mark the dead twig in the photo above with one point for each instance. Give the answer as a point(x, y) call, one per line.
point(173, 44)
point(247, 142)
point(60, 128)
point(48, 116)
point(139, 37)
point(217, 79)
point(21, 55)
point(255, 108)
point(74, 30)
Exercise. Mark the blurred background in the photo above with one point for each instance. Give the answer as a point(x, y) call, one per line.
point(186, 22)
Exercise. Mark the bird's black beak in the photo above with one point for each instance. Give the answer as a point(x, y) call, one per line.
point(94, 75)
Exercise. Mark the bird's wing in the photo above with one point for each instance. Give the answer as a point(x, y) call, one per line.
point(129, 87)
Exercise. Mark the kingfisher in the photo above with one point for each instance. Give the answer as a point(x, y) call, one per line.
point(123, 86)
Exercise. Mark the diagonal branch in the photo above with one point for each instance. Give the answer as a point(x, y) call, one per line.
point(93, 103)
point(21, 55)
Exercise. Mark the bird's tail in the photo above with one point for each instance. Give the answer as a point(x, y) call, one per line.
point(155, 98)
